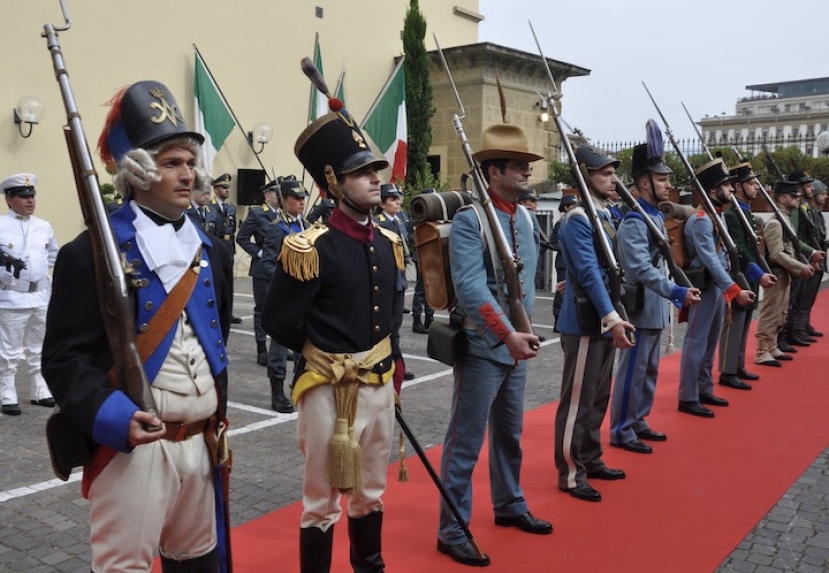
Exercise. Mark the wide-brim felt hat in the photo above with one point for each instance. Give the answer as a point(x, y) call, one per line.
point(641, 163)
point(144, 115)
point(800, 176)
point(713, 174)
point(505, 141)
point(742, 172)
point(334, 140)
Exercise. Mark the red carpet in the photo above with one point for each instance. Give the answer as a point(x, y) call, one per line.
point(683, 508)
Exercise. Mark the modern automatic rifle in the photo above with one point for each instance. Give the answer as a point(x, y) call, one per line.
point(748, 228)
point(111, 267)
point(12, 264)
point(702, 194)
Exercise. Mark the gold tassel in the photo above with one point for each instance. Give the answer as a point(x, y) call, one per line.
point(403, 474)
point(344, 454)
point(302, 266)
point(333, 185)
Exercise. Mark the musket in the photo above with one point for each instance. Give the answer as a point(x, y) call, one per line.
point(510, 263)
point(12, 264)
point(774, 164)
point(111, 267)
point(731, 249)
point(615, 273)
point(785, 222)
point(748, 228)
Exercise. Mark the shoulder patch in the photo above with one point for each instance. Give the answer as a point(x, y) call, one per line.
point(299, 256)
point(396, 243)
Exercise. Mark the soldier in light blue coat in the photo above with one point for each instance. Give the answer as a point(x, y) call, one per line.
point(590, 333)
point(490, 379)
point(643, 264)
point(696, 384)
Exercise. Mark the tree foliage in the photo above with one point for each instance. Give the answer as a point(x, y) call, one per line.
point(419, 105)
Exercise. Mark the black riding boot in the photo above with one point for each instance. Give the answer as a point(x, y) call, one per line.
point(207, 563)
point(279, 401)
point(315, 549)
point(365, 543)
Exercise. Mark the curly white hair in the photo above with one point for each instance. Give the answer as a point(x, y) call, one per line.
point(138, 169)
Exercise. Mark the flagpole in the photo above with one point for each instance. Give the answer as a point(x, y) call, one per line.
point(230, 109)
point(382, 92)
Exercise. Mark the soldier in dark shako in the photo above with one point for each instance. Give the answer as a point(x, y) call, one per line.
point(148, 489)
point(346, 292)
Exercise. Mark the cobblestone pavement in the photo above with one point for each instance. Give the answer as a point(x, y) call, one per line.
point(44, 523)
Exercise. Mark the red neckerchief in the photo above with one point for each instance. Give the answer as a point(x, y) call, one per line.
point(350, 228)
point(502, 204)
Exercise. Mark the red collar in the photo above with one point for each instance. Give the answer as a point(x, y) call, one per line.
point(502, 204)
point(351, 228)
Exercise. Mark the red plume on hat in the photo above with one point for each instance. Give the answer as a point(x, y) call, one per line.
point(112, 127)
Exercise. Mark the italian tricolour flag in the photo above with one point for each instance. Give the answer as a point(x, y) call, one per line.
point(385, 122)
point(213, 119)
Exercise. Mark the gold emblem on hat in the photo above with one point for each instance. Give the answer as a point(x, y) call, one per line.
point(166, 111)
point(27, 182)
point(358, 139)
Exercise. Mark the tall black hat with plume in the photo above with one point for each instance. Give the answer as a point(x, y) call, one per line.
point(649, 157)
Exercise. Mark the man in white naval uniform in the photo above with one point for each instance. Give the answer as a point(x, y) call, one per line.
point(24, 298)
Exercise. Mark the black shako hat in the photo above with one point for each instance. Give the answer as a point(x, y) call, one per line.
point(713, 174)
point(742, 172)
point(594, 159)
point(333, 146)
point(648, 156)
point(390, 190)
point(800, 177)
point(786, 187)
point(144, 114)
point(290, 187)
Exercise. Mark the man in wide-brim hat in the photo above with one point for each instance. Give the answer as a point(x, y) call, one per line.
point(490, 379)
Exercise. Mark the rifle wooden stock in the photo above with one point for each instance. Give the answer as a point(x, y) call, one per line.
point(659, 239)
point(111, 267)
point(731, 249)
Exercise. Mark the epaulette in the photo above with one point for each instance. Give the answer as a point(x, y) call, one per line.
point(397, 245)
point(299, 256)
point(381, 217)
point(213, 201)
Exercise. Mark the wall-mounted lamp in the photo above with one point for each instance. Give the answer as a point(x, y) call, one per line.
point(262, 133)
point(543, 104)
point(29, 110)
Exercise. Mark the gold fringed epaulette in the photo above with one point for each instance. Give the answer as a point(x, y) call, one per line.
point(299, 256)
point(397, 246)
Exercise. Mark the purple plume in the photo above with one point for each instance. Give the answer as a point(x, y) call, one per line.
point(653, 134)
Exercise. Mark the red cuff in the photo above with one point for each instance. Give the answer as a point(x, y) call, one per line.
point(732, 293)
point(494, 320)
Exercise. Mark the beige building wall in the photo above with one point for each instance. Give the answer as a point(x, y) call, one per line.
point(253, 48)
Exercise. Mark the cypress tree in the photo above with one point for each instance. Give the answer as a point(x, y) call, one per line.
point(419, 106)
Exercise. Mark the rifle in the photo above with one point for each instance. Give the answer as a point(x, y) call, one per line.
point(615, 273)
point(517, 313)
point(111, 266)
point(773, 162)
point(10, 262)
point(748, 229)
point(731, 249)
point(785, 222)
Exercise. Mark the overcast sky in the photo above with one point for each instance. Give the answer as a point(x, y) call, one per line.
point(700, 52)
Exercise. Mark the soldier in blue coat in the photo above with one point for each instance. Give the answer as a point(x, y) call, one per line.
point(635, 386)
point(489, 381)
point(288, 222)
point(149, 490)
point(705, 320)
point(589, 339)
point(251, 237)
